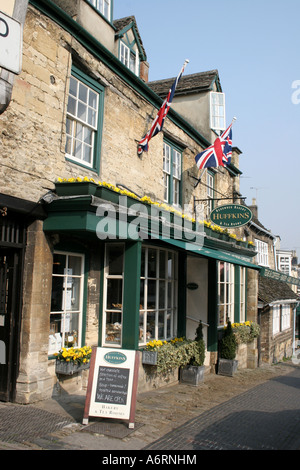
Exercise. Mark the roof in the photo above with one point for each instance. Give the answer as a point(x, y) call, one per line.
point(272, 290)
point(194, 83)
point(123, 23)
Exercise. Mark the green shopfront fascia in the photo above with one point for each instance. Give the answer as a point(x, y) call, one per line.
point(141, 293)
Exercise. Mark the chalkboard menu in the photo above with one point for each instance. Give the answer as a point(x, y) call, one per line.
point(112, 385)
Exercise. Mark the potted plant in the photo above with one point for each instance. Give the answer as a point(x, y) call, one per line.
point(193, 372)
point(72, 360)
point(227, 364)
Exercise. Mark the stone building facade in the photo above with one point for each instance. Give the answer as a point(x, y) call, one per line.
point(80, 277)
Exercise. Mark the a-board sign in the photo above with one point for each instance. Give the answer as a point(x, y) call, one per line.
point(112, 385)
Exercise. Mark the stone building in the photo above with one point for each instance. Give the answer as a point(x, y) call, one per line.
point(98, 245)
point(277, 299)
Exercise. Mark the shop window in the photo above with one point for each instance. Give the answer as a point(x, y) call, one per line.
point(66, 301)
point(171, 174)
point(113, 295)
point(225, 292)
point(83, 124)
point(158, 295)
point(242, 294)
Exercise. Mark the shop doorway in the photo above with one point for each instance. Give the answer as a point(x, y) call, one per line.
point(10, 302)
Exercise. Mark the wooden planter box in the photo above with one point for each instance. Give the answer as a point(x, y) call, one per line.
point(76, 188)
point(68, 368)
point(192, 375)
point(227, 367)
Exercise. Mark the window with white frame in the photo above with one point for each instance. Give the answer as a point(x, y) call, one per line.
point(285, 317)
point(225, 292)
point(82, 122)
point(262, 256)
point(217, 111)
point(158, 295)
point(129, 58)
point(276, 319)
point(284, 264)
point(242, 294)
point(66, 301)
point(171, 174)
point(103, 6)
point(113, 295)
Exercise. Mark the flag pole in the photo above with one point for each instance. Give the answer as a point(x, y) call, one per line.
point(195, 186)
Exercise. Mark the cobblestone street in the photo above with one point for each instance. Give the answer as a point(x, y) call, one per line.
point(255, 409)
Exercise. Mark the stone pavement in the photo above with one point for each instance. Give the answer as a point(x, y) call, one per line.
point(255, 409)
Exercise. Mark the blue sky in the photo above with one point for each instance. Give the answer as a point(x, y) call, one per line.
point(255, 46)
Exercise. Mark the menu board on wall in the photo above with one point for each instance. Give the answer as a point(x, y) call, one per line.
point(112, 385)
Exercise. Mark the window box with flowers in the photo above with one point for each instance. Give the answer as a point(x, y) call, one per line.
point(73, 360)
point(169, 355)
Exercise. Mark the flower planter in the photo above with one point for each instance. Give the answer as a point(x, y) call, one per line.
point(76, 188)
point(192, 375)
point(149, 357)
point(227, 367)
point(69, 368)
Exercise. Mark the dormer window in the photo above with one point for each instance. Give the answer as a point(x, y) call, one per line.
point(217, 111)
point(129, 58)
point(103, 6)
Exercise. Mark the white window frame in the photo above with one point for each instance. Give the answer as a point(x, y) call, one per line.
point(276, 319)
point(225, 293)
point(164, 310)
point(129, 58)
point(285, 317)
point(262, 249)
point(217, 111)
point(171, 174)
point(103, 6)
point(67, 280)
point(78, 125)
point(118, 311)
point(242, 294)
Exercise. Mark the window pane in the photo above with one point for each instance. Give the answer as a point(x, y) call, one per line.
point(152, 263)
point(114, 294)
point(151, 300)
point(115, 260)
point(57, 294)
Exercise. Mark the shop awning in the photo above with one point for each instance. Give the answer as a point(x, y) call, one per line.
point(220, 255)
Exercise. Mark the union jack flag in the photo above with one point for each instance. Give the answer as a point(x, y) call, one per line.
point(218, 154)
point(158, 122)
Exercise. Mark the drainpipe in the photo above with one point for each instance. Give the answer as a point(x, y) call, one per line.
point(6, 77)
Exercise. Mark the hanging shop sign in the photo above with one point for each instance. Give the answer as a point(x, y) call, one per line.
point(10, 43)
point(231, 215)
point(112, 385)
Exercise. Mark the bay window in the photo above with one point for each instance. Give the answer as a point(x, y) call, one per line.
point(225, 292)
point(158, 295)
point(66, 301)
point(113, 295)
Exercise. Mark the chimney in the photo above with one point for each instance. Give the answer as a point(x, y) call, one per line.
point(254, 208)
point(144, 71)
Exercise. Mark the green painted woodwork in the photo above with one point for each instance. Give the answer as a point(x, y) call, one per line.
point(131, 295)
